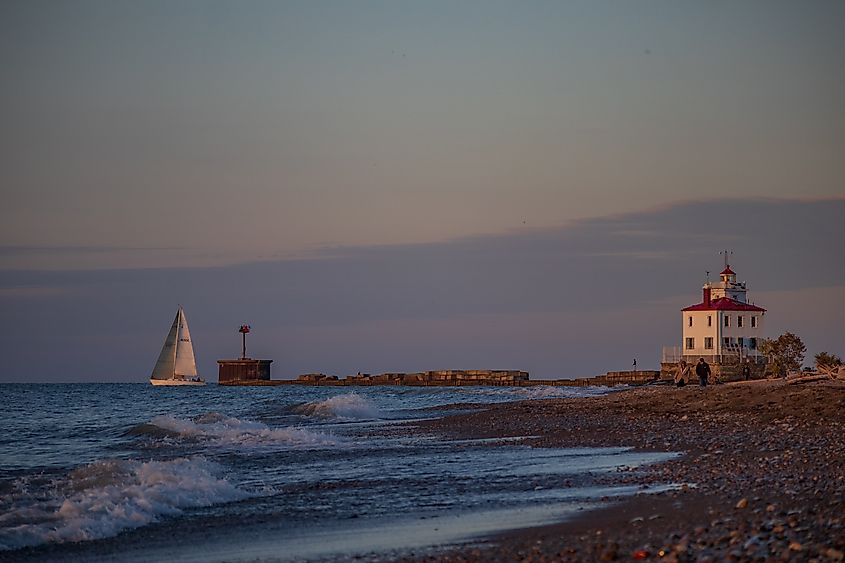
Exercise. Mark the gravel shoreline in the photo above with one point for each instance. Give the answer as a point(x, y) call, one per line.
point(767, 461)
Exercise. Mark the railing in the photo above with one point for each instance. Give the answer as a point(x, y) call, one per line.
point(734, 354)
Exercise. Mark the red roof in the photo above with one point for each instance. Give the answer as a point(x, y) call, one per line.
point(724, 304)
point(728, 271)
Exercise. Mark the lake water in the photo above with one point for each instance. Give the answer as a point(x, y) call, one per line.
point(94, 472)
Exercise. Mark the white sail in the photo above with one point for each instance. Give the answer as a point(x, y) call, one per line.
point(164, 368)
point(176, 364)
point(185, 365)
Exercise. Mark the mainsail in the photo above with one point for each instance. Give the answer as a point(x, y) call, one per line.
point(177, 354)
point(185, 365)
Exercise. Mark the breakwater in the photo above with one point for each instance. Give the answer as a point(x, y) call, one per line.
point(456, 378)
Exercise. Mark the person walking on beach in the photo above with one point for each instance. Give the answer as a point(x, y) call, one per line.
point(702, 370)
point(746, 370)
point(682, 374)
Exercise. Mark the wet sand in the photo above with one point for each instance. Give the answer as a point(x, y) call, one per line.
point(765, 464)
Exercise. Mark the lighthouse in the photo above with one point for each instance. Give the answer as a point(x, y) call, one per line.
point(724, 328)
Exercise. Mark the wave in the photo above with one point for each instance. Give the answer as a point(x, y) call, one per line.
point(106, 497)
point(555, 392)
point(436, 397)
point(349, 406)
point(220, 430)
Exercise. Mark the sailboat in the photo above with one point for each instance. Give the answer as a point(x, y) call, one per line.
point(176, 364)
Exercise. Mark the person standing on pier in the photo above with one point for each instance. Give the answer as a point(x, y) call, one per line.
point(702, 370)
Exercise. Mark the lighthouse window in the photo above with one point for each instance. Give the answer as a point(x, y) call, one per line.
point(690, 321)
point(690, 343)
point(727, 320)
point(753, 321)
point(709, 320)
point(739, 321)
point(708, 342)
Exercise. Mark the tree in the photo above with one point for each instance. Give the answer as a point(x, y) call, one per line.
point(823, 359)
point(785, 353)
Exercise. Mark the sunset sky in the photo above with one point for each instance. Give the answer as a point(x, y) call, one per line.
point(401, 186)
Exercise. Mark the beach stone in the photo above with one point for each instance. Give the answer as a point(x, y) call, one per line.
point(743, 503)
point(835, 554)
point(611, 553)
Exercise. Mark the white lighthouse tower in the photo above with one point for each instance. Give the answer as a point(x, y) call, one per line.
point(724, 329)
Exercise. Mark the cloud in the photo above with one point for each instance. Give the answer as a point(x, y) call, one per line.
point(31, 292)
point(578, 299)
point(81, 257)
point(17, 250)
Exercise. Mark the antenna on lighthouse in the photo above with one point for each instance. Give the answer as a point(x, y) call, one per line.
point(727, 253)
point(244, 330)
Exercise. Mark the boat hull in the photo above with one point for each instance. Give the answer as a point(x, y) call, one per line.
point(171, 382)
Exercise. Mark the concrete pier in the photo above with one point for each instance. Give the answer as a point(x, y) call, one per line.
point(456, 378)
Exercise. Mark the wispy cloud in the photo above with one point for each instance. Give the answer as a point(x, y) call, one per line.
point(17, 250)
point(83, 257)
point(31, 292)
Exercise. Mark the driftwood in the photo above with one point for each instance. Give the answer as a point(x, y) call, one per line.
point(823, 372)
point(806, 378)
point(834, 372)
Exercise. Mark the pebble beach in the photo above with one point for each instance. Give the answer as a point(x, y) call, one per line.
point(762, 475)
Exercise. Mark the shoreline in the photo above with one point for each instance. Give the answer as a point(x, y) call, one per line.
point(776, 445)
point(767, 461)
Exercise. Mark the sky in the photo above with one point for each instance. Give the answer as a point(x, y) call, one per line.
point(402, 186)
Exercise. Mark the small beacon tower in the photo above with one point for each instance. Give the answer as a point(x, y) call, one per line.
point(244, 369)
point(724, 329)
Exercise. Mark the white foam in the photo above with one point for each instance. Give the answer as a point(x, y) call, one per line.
point(104, 498)
point(350, 406)
point(222, 431)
